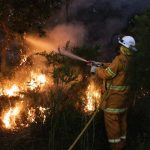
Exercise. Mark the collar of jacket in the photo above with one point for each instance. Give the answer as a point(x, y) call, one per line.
point(125, 51)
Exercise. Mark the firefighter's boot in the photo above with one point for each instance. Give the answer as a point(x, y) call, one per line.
point(117, 146)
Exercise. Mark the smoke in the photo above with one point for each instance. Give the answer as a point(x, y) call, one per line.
point(39, 63)
point(75, 33)
point(106, 18)
point(132, 5)
point(90, 21)
point(57, 38)
point(95, 21)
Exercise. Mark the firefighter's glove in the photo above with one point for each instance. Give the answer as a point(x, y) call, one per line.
point(93, 69)
point(98, 64)
point(95, 63)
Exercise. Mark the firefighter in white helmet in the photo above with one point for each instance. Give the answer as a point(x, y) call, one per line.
point(116, 101)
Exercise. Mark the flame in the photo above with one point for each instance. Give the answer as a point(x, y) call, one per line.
point(41, 79)
point(10, 117)
point(23, 60)
point(93, 96)
point(13, 91)
point(37, 80)
point(42, 113)
point(15, 117)
point(31, 115)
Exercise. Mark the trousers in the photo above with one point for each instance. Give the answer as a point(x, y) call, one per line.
point(116, 126)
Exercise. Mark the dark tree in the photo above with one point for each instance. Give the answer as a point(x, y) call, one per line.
point(23, 16)
point(140, 29)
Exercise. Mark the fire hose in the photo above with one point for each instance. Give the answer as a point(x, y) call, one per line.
point(83, 130)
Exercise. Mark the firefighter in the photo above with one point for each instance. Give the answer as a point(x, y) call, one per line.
point(115, 103)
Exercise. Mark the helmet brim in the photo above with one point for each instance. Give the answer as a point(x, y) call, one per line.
point(123, 44)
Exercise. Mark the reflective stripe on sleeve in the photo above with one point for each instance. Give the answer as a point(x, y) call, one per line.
point(114, 140)
point(117, 87)
point(110, 72)
point(115, 110)
point(123, 137)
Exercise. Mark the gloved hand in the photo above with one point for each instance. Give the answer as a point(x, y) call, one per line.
point(93, 69)
point(95, 63)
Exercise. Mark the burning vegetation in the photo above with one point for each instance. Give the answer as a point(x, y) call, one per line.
point(45, 98)
point(25, 95)
point(93, 97)
point(19, 112)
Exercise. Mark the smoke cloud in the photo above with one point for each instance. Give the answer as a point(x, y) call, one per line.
point(106, 18)
point(57, 38)
point(97, 20)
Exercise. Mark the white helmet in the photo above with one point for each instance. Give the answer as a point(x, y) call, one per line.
point(128, 41)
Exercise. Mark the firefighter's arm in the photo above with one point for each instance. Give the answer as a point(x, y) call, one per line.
point(110, 71)
point(101, 73)
point(106, 64)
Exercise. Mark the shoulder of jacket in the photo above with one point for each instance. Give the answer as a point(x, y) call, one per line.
point(122, 57)
point(118, 57)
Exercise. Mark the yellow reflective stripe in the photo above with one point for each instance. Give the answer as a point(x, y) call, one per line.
point(123, 137)
point(117, 87)
point(114, 140)
point(115, 110)
point(110, 72)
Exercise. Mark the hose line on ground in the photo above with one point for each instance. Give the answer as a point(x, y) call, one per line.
point(84, 129)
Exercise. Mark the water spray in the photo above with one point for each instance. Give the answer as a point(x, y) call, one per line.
point(49, 47)
point(71, 55)
point(61, 52)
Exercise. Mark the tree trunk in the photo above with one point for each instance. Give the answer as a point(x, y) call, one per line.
point(7, 34)
point(3, 60)
point(4, 44)
point(67, 5)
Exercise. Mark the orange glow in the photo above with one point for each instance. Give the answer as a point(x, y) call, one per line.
point(24, 59)
point(39, 44)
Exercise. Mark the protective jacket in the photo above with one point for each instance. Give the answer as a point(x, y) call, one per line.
point(116, 76)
